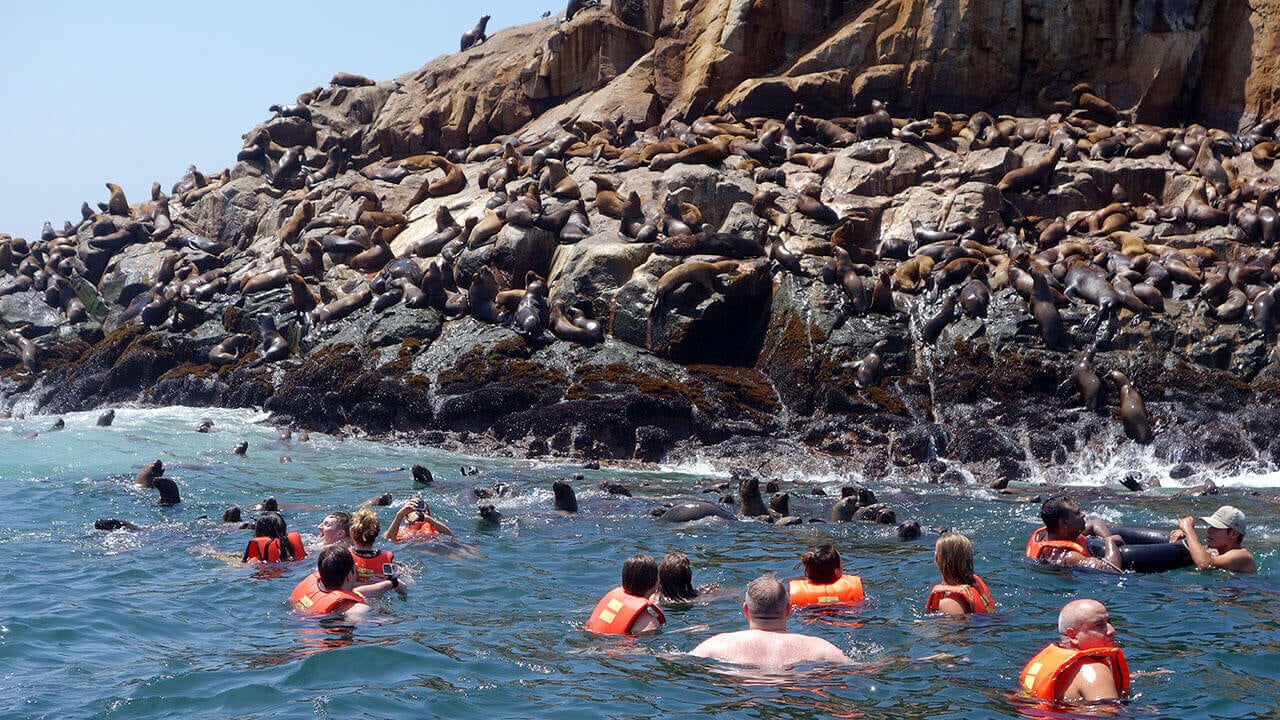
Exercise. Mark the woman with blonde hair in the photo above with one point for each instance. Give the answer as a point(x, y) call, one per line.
point(961, 591)
point(363, 529)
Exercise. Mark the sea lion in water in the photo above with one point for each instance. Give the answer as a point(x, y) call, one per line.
point(106, 418)
point(168, 491)
point(421, 476)
point(750, 502)
point(566, 500)
point(690, 510)
point(1133, 412)
point(490, 518)
point(147, 475)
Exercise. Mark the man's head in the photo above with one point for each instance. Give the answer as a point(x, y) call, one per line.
point(1084, 624)
point(365, 526)
point(1227, 523)
point(1061, 515)
point(767, 599)
point(334, 527)
point(335, 564)
point(822, 564)
point(640, 575)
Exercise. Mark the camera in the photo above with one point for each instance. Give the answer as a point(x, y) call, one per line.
point(390, 569)
point(422, 505)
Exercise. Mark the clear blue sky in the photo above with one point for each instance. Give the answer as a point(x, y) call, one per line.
point(135, 92)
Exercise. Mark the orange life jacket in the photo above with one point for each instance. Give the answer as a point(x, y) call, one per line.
point(1047, 675)
point(845, 590)
point(617, 611)
point(267, 549)
point(415, 530)
point(368, 567)
point(976, 596)
point(1038, 545)
point(309, 597)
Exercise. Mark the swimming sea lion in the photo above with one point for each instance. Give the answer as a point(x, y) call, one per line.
point(147, 475)
point(169, 495)
point(106, 418)
point(908, 530)
point(240, 448)
point(421, 476)
point(566, 500)
point(750, 502)
point(490, 518)
point(688, 510)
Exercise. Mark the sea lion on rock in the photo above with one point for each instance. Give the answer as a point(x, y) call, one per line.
point(228, 351)
point(475, 35)
point(566, 500)
point(688, 510)
point(274, 345)
point(1032, 175)
point(1133, 412)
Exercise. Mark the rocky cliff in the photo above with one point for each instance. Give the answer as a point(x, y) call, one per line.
point(958, 238)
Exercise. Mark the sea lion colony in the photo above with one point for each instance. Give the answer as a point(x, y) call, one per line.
point(1087, 219)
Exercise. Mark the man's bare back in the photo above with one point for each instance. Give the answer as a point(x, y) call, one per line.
point(765, 648)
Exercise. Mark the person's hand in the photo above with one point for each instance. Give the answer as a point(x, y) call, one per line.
point(1177, 535)
point(1187, 525)
point(1116, 539)
point(409, 506)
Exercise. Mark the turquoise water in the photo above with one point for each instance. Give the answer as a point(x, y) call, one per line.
point(152, 625)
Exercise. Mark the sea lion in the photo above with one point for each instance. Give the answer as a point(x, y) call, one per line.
point(421, 476)
point(1133, 412)
point(147, 475)
point(689, 510)
point(868, 368)
point(346, 79)
point(203, 427)
point(228, 351)
point(1032, 175)
point(475, 35)
point(533, 314)
point(240, 449)
point(750, 501)
point(232, 514)
point(1045, 311)
point(169, 494)
point(938, 322)
point(106, 418)
point(908, 530)
point(274, 345)
point(569, 323)
point(489, 517)
point(566, 500)
point(705, 274)
point(1086, 380)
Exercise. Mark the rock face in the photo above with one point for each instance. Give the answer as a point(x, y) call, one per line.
point(885, 234)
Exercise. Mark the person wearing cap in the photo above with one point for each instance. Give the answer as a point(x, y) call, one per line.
point(766, 642)
point(1225, 538)
point(1084, 664)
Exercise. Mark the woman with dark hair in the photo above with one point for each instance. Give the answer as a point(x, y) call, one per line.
point(272, 541)
point(675, 579)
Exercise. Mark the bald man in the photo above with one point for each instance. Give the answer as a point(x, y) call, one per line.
point(1084, 664)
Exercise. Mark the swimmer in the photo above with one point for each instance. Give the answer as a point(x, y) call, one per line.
point(1084, 664)
point(334, 529)
point(961, 591)
point(766, 642)
point(824, 582)
point(332, 589)
point(1225, 540)
point(272, 541)
point(369, 562)
point(1062, 540)
point(626, 609)
point(418, 524)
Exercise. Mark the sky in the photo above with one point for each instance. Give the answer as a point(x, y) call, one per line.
point(135, 92)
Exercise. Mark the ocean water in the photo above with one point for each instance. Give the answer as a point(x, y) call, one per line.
point(155, 624)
